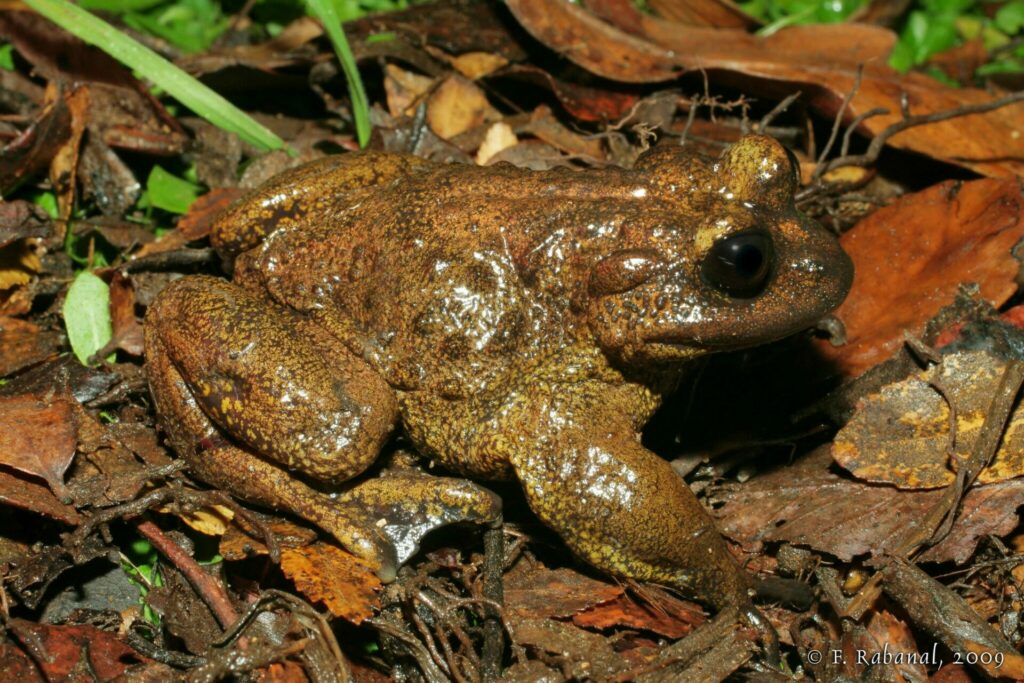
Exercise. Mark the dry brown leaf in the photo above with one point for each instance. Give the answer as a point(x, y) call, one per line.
point(344, 583)
point(807, 504)
point(213, 520)
point(596, 46)
point(29, 495)
point(474, 65)
point(196, 224)
point(18, 263)
point(900, 435)
point(127, 328)
point(499, 136)
point(22, 344)
point(236, 544)
point(821, 60)
point(404, 89)
point(64, 165)
point(911, 257)
point(532, 590)
point(457, 106)
point(894, 635)
point(671, 617)
point(38, 437)
point(715, 13)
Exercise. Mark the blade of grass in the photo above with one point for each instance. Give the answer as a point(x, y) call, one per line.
point(325, 12)
point(190, 92)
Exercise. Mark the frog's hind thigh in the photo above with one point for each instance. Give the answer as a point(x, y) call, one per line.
point(265, 377)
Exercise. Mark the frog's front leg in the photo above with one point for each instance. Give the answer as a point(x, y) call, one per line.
point(617, 505)
point(249, 393)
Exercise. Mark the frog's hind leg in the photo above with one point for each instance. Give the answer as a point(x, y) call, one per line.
point(225, 366)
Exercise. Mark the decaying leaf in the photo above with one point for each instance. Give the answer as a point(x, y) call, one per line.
point(456, 106)
point(500, 136)
point(23, 344)
point(38, 437)
point(532, 591)
point(808, 504)
point(214, 520)
point(35, 497)
point(901, 435)
point(18, 263)
point(404, 89)
point(236, 544)
point(324, 573)
point(911, 257)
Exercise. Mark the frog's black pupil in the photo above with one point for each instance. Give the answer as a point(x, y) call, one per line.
point(740, 265)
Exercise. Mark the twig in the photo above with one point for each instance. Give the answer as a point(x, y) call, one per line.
point(778, 109)
point(836, 123)
point(210, 590)
point(494, 591)
point(875, 148)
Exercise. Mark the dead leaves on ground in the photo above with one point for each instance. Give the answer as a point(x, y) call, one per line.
point(459, 81)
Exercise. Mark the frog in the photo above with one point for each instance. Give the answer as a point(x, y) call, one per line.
point(510, 324)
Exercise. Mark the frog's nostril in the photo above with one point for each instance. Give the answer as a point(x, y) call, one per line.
point(741, 264)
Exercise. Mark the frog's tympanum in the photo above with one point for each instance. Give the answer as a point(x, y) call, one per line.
point(515, 324)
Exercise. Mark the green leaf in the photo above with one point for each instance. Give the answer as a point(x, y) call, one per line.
point(7, 57)
point(118, 6)
point(1010, 18)
point(169, 192)
point(325, 11)
point(192, 25)
point(193, 94)
point(87, 316)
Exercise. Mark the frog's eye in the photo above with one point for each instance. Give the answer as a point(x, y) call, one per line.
point(622, 271)
point(741, 264)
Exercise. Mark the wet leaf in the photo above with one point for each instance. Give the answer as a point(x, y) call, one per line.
point(23, 344)
point(236, 544)
point(670, 617)
point(325, 573)
point(910, 258)
point(64, 165)
point(826, 59)
point(38, 437)
point(18, 263)
point(29, 495)
point(901, 435)
point(807, 504)
point(127, 330)
point(73, 650)
point(532, 590)
point(198, 221)
point(87, 315)
point(32, 149)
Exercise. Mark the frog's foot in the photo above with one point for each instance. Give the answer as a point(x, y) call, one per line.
point(406, 507)
point(624, 509)
point(251, 478)
point(769, 638)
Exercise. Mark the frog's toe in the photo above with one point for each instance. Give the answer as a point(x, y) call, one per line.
point(406, 507)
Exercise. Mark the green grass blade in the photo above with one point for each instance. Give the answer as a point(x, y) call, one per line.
point(190, 92)
point(326, 13)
